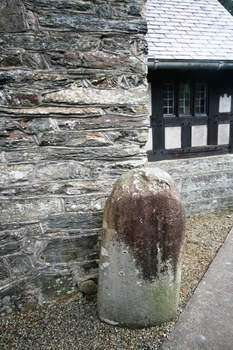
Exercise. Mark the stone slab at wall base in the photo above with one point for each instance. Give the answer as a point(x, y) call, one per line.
point(37, 290)
point(205, 184)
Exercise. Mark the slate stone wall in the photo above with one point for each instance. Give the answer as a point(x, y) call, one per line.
point(205, 183)
point(73, 117)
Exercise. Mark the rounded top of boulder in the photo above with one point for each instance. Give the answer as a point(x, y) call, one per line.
point(144, 180)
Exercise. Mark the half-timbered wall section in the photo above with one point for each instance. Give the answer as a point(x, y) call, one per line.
point(190, 63)
point(191, 113)
point(73, 117)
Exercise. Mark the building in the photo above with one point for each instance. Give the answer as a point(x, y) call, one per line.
point(74, 117)
point(190, 73)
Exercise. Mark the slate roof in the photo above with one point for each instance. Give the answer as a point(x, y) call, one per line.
point(189, 30)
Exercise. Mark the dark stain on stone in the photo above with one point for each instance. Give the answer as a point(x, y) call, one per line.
point(5, 79)
point(152, 225)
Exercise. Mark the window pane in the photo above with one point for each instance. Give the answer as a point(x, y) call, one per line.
point(168, 99)
point(184, 98)
point(200, 99)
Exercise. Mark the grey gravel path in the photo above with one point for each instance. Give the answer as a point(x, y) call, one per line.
point(74, 326)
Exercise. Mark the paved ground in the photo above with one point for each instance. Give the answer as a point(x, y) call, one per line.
point(207, 321)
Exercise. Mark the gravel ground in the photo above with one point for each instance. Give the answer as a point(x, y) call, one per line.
point(75, 326)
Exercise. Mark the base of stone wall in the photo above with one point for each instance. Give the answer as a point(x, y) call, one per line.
point(36, 291)
point(205, 184)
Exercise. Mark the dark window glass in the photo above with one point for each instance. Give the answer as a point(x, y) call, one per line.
point(168, 99)
point(200, 98)
point(184, 98)
point(183, 101)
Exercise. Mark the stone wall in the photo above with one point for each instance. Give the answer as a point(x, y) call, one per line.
point(205, 183)
point(73, 118)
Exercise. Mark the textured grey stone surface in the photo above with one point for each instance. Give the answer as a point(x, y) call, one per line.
point(205, 183)
point(12, 16)
point(72, 85)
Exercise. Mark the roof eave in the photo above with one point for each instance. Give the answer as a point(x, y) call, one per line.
point(154, 64)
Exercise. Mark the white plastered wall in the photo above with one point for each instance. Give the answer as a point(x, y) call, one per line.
point(149, 143)
point(173, 137)
point(224, 104)
point(199, 135)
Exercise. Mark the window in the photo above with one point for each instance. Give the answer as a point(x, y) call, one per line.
point(184, 98)
point(188, 95)
point(168, 99)
point(200, 99)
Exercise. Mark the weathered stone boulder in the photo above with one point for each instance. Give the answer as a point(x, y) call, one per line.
point(88, 287)
point(140, 261)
